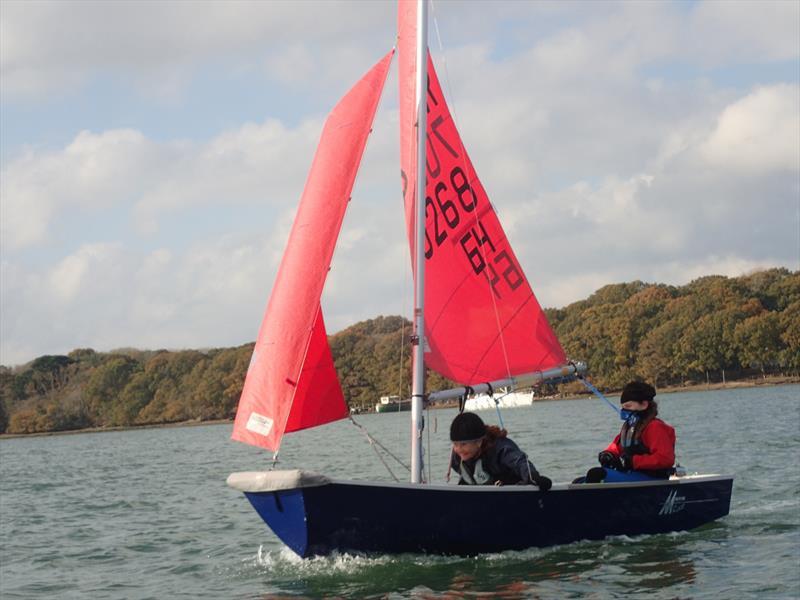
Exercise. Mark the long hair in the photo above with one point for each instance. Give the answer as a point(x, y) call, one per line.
point(493, 433)
point(651, 412)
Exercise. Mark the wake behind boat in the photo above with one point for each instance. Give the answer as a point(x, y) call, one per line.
point(476, 322)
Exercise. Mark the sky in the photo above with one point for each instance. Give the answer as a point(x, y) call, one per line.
point(153, 154)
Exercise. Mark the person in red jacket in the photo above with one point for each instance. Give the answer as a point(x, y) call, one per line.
point(645, 444)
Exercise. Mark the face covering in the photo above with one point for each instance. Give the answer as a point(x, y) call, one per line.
point(629, 415)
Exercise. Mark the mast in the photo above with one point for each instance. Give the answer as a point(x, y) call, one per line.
point(418, 357)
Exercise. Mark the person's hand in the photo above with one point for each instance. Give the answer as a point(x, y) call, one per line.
point(543, 483)
point(626, 462)
point(609, 460)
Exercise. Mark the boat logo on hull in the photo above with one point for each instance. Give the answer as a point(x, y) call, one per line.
point(673, 504)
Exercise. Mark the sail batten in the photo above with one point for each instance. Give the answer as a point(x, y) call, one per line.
point(291, 383)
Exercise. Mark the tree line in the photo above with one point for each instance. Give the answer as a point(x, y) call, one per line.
point(712, 328)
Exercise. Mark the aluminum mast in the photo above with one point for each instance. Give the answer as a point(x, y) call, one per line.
point(418, 358)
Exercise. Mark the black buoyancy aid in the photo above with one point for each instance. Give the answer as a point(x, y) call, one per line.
point(630, 435)
point(630, 440)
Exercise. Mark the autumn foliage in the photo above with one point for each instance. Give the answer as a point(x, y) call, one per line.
point(712, 328)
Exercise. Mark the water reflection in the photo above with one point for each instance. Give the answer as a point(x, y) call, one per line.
point(660, 565)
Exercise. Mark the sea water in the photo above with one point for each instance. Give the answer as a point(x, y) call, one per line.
point(146, 513)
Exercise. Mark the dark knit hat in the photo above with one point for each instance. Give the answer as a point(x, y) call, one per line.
point(637, 391)
point(467, 427)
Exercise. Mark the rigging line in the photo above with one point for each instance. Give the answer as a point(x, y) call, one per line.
point(407, 287)
point(372, 445)
point(598, 393)
point(427, 463)
point(377, 443)
point(466, 171)
point(499, 416)
point(402, 348)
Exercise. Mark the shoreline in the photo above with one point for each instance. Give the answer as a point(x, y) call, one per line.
point(698, 387)
point(192, 423)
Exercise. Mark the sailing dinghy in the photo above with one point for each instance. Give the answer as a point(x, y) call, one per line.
point(476, 321)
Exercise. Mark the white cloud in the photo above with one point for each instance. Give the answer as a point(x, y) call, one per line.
point(105, 296)
point(197, 290)
point(680, 219)
point(49, 45)
point(760, 132)
point(258, 163)
point(68, 278)
point(94, 170)
point(749, 31)
point(729, 266)
point(291, 64)
point(53, 45)
point(604, 165)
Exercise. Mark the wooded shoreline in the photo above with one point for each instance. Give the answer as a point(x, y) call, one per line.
point(770, 381)
point(713, 330)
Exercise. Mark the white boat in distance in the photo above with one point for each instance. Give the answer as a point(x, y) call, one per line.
point(502, 398)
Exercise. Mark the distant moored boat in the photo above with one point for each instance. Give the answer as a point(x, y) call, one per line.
point(392, 404)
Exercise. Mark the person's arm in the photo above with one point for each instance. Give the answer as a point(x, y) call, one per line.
point(614, 447)
point(515, 460)
point(660, 440)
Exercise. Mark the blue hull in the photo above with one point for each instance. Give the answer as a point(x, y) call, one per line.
point(465, 520)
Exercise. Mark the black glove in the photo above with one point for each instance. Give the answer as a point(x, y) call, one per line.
point(544, 483)
point(609, 460)
point(626, 462)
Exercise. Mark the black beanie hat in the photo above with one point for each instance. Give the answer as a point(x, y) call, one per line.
point(637, 391)
point(467, 427)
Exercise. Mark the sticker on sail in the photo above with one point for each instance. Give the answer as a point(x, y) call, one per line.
point(259, 424)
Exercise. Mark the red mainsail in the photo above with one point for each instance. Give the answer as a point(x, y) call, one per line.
point(482, 321)
point(291, 383)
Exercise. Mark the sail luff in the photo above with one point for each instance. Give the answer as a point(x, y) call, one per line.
point(291, 383)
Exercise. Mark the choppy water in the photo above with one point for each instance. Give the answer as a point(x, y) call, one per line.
point(146, 514)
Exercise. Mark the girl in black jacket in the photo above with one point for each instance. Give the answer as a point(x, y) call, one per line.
point(483, 455)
